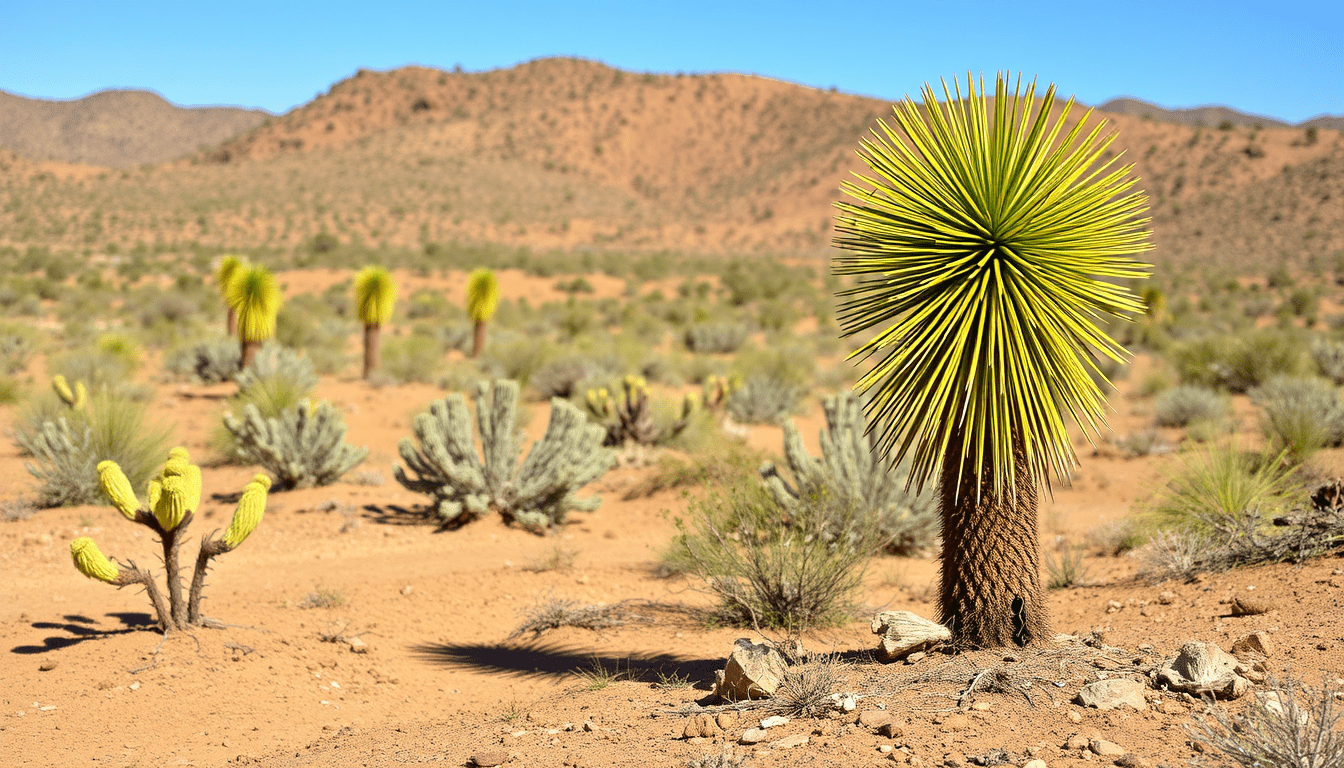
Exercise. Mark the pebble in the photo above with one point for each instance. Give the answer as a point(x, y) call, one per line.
point(489, 759)
point(1075, 717)
point(1034, 764)
point(982, 706)
point(914, 657)
point(1166, 598)
point(46, 666)
point(774, 720)
point(135, 686)
point(788, 742)
point(874, 718)
point(357, 645)
point(753, 736)
point(1113, 605)
point(1106, 748)
point(1077, 741)
point(891, 730)
point(884, 748)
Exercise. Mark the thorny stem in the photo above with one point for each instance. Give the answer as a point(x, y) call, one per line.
point(133, 575)
point(209, 548)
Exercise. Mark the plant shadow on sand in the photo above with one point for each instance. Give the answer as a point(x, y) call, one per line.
point(560, 661)
point(80, 628)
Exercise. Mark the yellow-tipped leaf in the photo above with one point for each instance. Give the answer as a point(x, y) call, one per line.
point(118, 488)
point(251, 507)
point(375, 296)
point(91, 562)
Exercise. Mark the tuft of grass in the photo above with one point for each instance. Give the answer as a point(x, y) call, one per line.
point(512, 713)
point(558, 558)
point(1185, 404)
point(1066, 570)
point(553, 613)
point(1287, 725)
point(1300, 415)
point(323, 598)
point(1226, 493)
point(597, 676)
point(672, 680)
point(724, 759)
point(807, 688)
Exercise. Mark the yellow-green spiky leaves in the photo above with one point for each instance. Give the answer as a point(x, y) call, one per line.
point(251, 507)
point(992, 239)
point(228, 268)
point(482, 296)
point(375, 296)
point(91, 561)
point(255, 297)
point(72, 397)
point(118, 488)
point(175, 493)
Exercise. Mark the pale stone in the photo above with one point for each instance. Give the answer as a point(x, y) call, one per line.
point(1203, 669)
point(753, 671)
point(788, 742)
point(904, 633)
point(874, 718)
point(774, 721)
point(1114, 694)
point(1106, 748)
point(753, 736)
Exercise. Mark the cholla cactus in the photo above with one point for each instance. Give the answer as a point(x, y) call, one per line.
point(304, 447)
point(630, 418)
point(174, 498)
point(536, 494)
point(375, 299)
point(253, 294)
point(74, 398)
point(482, 301)
point(851, 472)
point(717, 389)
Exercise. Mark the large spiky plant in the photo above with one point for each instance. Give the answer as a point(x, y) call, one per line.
point(228, 268)
point(375, 298)
point(990, 239)
point(255, 298)
point(482, 301)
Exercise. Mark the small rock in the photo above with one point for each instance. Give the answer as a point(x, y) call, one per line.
point(904, 633)
point(914, 657)
point(1114, 694)
point(588, 726)
point(891, 730)
point(753, 671)
point(753, 736)
point(357, 645)
point(406, 590)
point(46, 666)
point(134, 686)
point(1131, 760)
point(1106, 748)
point(884, 748)
point(489, 759)
point(982, 706)
point(1166, 598)
point(1114, 605)
point(1251, 606)
point(1075, 717)
point(848, 703)
point(1077, 741)
point(774, 721)
point(1203, 668)
point(726, 720)
point(1034, 764)
point(874, 718)
point(788, 742)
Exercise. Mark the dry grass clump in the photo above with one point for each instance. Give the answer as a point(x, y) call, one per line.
point(1182, 405)
point(554, 612)
point(1288, 725)
point(807, 689)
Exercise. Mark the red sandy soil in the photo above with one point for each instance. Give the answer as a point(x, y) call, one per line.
point(86, 680)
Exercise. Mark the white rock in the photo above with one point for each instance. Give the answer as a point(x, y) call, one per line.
point(788, 742)
point(1114, 694)
point(774, 721)
point(904, 633)
point(753, 671)
point(1203, 669)
point(753, 736)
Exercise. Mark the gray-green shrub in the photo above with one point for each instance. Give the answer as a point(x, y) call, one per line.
point(303, 447)
point(764, 399)
point(1179, 406)
point(1300, 415)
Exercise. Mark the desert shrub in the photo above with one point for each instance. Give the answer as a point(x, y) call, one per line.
point(17, 345)
point(1065, 569)
point(10, 391)
point(1301, 302)
point(209, 362)
point(167, 309)
point(537, 493)
point(1329, 357)
point(425, 303)
point(564, 378)
point(516, 359)
point(66, 449)
point(1155, 383)
point(306, 323)
point(95, 367)
point(629, 416)
point(772, 573)
point(277, 379)
point(809, 689)
point(1173, 554)
point(1182, 405)
point(763, 399)
point(724, 463)
point(853, 473)
point(1240, 362)
point(303, 447)
point(174, 498)
point(1225, 493)
point(1119, 536)
point(412, 358)
point(1300, 415)
point(776, 316)
point(718, 338)
point(1287, 725)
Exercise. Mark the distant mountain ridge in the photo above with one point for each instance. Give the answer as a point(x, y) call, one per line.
point(116, 128)
point(1210, 116)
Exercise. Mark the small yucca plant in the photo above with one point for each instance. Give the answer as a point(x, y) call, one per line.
point(482, 301)
point(375, 298)
point(174, 496)
point(254, 297)
point(228, 268)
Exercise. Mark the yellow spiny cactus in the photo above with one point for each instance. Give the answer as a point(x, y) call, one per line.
point(179, 464)
point(118, 488)
point(172, 503)
point(251, 507)
point(599, 402)
point(62, 388)
point(91, 562)
point(153, 492)
point(635, 384)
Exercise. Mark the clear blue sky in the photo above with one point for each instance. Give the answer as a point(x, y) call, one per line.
point(1281, 59)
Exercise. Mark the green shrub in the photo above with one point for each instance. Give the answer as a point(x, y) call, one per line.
point(1225, 493)
point(1329, 356)
point(1182, 405)
point(1300, 415)
point(17, 345)
point(96, 368)
point(720, 338)
point(764, 399)
point(517, 359)
point(412, 358)
point(774, 573)
point(209, 362)
point(1240, 362)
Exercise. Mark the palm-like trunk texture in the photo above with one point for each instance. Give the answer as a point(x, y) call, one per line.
point(231, 321)
point(991, 584)
point(248, 353)
point(371, 349)
point(478, 339)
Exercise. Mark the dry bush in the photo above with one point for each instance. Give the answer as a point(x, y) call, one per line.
point(807, 689)
point(553, 613)
point(1182, 405)
point(1288, 725)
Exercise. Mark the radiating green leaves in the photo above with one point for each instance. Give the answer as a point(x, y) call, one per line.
point(989, 240)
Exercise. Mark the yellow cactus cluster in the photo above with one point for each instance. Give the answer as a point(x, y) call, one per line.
point(717, 389)
point(91, 561)
point(74, 398)
point(599, 402)
point(251, 507)
point(118, 488)
point(634, 385)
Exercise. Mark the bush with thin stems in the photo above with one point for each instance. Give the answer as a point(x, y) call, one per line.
point(1226, 493)
point(1180, 406)
point(1300, 415)
point(1287, 725)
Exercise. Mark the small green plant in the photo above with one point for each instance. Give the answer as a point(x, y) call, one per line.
point(553, 613)
point(807, 690)
point(323, 598)
point(1288, 725)
point(375, 300)
point(303, 447)
point(209, 362)
point(1226, 493)
point(412, 358)
point(1300, 415)
point(598, 677)
point(764, 399)
point(482, 301)
point(174, 497)
point(671, 681)
point(1240, 362)
point(1329, 356)
point(715, 338)
point(629, 418)
point(1065, 570)
point(1180, 406)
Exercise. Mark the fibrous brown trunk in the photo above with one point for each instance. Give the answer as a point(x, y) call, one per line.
point(478, 340)
point(370, 349)
point(231, 321)
point(248, 352)
point(991, 584)
point(209, 548)
point(172, 541)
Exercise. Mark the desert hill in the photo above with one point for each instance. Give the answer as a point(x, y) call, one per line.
point(1210, 116)
point(568, 153)
point(115, 128)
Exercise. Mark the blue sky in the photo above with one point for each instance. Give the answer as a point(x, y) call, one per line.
point(1281, 59)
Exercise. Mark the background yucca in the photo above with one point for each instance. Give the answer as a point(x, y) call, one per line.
point(990, 240)
point(375, 300)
